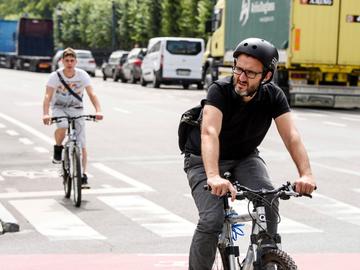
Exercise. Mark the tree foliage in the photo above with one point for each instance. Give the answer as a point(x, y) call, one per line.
point(97, 24)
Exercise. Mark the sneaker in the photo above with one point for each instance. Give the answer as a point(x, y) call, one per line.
point(57, 154)
point(84, 182)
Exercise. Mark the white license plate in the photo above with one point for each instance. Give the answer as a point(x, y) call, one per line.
point(182, 72)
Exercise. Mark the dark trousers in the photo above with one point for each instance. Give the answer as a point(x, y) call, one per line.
point(251, 172)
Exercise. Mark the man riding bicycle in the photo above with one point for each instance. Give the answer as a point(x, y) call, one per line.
point(64, 90)
point(237, 113)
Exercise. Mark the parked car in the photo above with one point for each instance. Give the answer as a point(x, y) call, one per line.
point(113, 68)
point(173, 60)
point(132, 65)
point(85, 61)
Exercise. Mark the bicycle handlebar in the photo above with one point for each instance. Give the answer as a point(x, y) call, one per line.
point(283, 192)
point(88, 117)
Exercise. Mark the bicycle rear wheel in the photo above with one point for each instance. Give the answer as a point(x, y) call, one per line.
point(221, 261)
point(277, 259)
point(76, 176)
point(65, 174)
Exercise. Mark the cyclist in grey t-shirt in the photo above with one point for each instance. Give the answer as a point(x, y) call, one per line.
point(63, 103)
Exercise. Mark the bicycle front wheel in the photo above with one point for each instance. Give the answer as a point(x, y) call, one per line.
point(76, 176)
point(277, 259)
point(66, 175)
point(221, 261)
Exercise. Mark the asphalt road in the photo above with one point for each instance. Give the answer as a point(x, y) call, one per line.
point(138, 213)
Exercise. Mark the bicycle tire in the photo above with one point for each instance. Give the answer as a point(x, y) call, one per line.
point(76, 176)
point(66, 175)
point(277, 259)
point(221, 261)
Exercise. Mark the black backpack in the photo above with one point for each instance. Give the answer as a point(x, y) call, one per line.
point(189, 120)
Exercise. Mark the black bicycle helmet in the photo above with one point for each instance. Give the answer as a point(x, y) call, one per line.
point(260, 49)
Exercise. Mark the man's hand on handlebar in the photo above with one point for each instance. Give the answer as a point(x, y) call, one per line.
point(99, 116)
point(305, 184)
point(220, 187)
point(46, 119)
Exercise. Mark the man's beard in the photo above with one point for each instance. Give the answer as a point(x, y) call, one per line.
point(248, 93)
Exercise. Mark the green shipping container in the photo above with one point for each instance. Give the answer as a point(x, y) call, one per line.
point(267, 19)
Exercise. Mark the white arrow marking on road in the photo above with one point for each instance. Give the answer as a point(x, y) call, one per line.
point(123, 177)
point(150, 215)
point(26, 141)
point(55, 221)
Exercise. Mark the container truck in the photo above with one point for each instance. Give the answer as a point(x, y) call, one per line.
point(7, 42)
point(318, 43)
point(34, 44)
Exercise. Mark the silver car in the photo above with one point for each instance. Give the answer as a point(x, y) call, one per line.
point(85, 61)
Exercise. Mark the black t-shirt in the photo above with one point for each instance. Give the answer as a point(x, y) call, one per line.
point(244, 125)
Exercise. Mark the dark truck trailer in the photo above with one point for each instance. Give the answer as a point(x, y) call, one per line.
point(34, 45)
point(7, 42)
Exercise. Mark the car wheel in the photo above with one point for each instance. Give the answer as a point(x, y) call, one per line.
point(115, 77)
point(104, 77)
point(186, 86)
point(155, 82)
point(132, 78)
point(142, 81)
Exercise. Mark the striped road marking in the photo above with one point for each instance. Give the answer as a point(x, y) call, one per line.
point(12, 132)
point(286, 225)
point(26, 141)
point(54, 221)
point(2, 125)
point(333, 208)
point(122, 177)
point(150, 215)
point(334, 124)
point(6, 216)
point(41, 149)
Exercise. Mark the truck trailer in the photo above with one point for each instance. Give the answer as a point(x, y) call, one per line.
point(34, 44)
point(317, 40)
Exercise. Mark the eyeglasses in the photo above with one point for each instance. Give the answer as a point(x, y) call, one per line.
point(248, 73)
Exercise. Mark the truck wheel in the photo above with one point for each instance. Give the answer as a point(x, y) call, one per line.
point(185, 85)
point(155, 82)
point(207, 78)
point(200, 86)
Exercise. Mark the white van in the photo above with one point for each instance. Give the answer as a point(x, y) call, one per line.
point(173, 60)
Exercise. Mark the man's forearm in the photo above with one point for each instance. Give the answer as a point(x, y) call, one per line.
point(210, 154)
point(300, 157)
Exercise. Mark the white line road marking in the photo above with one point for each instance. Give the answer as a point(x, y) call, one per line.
point(122, 177)
point(334, 124)
point(150, 215)
point(26, 141)
point(55, 221)
point(41, 149)
point(333, 208)
point(1, 178)
point(121, 110)
point(53, 193)
point(12, 132)
point(6, 216)
point(2, 125)
point(357, 173)
point(27, 128)
point(351, 118)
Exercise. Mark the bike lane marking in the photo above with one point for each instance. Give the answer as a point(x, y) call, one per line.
point(54, 221)
point(122, 177)
point(149, 215)
point(27, 128)
point(6, 216)
point(333, 208)
point(286, 226)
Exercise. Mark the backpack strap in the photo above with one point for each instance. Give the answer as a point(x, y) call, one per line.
point(68, 87)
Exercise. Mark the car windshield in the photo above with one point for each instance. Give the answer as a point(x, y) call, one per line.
point(83, 55)
point(183, 47)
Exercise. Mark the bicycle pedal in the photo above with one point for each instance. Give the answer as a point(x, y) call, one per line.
point(85, 187)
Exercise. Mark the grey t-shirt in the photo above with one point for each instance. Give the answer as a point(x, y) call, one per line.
point(62, 97)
